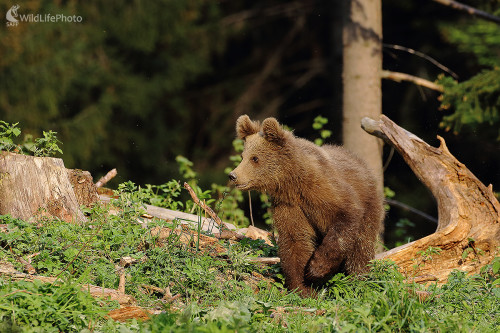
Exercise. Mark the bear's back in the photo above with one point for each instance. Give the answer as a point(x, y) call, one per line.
point(335, 163)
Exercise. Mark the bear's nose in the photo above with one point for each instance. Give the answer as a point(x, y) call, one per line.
point(232, 176)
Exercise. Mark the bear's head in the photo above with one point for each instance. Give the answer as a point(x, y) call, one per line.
point(264, 158)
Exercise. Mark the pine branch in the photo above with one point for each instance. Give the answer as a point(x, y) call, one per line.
point(470, 10)
point(398, 77)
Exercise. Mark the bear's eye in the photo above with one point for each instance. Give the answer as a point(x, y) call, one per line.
point(255, 159)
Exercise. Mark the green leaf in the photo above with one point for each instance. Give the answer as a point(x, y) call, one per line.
point(496, 267)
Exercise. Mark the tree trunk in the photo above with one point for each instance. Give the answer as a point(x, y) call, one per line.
point(468, 232)
point(33, 187)
point(362, 97)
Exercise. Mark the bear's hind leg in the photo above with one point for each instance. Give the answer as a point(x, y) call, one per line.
point(327, 259)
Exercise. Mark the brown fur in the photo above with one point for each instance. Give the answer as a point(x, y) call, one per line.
point(326, 206)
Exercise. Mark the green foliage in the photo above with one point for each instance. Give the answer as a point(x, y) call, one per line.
point(130, 200)
point(476, 101)
point(131, 68)
point(380, 302)
point(429, 253)
point(228, 206)
point(186, 168)
point(7, 132)
point(402, 232)
point(164, 195)
point(318, 124)
point(46, 146)
point(214, 298)
point(478, 37)
point(44, 307)
point(389, 194)
point(474, 299)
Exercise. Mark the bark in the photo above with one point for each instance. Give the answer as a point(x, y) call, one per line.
point(362, 69)
point(468, 232)
point(33, 187)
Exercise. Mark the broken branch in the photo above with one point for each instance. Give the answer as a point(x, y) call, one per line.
point(110, 175)
point(470, 10)
point(424, 56)
point(206, 208)
point(398, 77)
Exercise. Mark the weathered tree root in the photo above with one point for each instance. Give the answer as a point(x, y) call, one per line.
point(468, 232)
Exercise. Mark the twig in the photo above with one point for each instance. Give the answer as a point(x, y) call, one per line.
point(250, 205)
point(398, 77)
point(154, 289)
point(265, 260)
point(27, 266)
point(78, 254)
point(106, 178)
point(389, 158)
point(121, 284)
point(228, 234)
point(19, 291)
point(422, 55)
point(206, 208)
point(470, 10)
point(173, 298)
point(411, 209)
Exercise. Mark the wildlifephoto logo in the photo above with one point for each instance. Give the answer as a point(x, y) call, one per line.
point(13, 17)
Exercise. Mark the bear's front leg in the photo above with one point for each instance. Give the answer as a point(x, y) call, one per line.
point(295, 246)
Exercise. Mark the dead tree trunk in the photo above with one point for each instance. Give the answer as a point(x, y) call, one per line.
point(468, 233)
point(32, 187)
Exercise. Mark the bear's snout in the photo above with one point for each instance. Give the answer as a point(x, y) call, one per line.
point(232, 176)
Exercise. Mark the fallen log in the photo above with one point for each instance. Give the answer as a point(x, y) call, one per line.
point(191, 220)
point(468, 232)
point(95, 291)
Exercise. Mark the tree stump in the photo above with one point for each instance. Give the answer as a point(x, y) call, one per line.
point(33, 187)
point(468, 232)
point(83, 186)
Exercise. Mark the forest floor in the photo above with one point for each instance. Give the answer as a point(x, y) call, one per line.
point(155, 275)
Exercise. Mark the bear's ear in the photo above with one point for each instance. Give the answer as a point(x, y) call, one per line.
point(246, 127)
point(273, 132)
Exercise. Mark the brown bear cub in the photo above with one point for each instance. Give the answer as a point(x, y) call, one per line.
point(327, 209)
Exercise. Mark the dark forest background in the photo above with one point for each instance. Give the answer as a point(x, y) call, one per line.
point(137, 83)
